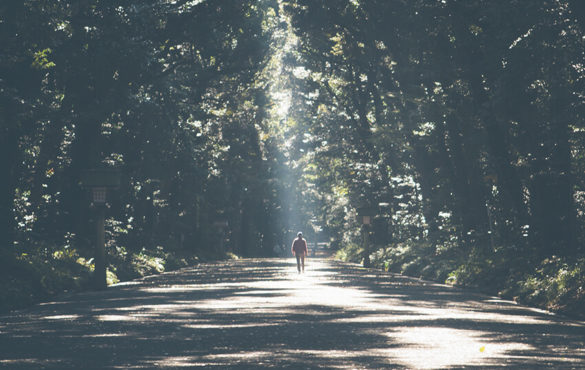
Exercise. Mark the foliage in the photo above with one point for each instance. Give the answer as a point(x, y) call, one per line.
point(237, 123)
point(169, 94)
point(350, 253)
point(28, 278)
point(31, 277)
point(457, 120)
point(556, 285)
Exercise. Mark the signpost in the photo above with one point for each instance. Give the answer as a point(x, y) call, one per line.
point(99, 182)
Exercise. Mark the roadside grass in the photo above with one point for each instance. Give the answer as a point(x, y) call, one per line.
point(555, 284)
point(28, 278)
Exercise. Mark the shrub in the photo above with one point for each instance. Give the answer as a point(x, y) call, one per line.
point(556, 284)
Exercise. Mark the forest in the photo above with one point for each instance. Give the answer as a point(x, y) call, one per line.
point(442, 139)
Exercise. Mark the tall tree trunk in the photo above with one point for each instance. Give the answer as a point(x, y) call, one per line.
point(9, 160)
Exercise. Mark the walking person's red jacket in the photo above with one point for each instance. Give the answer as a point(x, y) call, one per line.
point(299, 247)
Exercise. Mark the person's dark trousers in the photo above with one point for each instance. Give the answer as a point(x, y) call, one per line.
point(300, 262)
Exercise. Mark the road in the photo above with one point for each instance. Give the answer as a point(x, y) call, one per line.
point(259, 313)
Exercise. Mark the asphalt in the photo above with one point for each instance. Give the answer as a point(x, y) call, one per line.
point(260, 313)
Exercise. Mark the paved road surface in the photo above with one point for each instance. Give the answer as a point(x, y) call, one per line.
point(261, 313)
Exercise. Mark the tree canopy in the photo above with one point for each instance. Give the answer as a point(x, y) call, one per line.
point(457, 124)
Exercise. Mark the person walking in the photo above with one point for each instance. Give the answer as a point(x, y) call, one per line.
point(299, 250)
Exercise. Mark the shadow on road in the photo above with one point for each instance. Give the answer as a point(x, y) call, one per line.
point(261, 313)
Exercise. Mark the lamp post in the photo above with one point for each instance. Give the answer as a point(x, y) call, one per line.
point(366, 214)
point(493, 180)
point(99, 181)
point(222, 225)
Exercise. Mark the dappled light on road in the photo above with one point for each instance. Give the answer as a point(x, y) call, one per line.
point(262, 313)
point(437, 347)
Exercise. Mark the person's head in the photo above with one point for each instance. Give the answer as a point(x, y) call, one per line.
point(299, 235)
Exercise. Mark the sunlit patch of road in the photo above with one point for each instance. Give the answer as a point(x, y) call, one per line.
point(262, 313)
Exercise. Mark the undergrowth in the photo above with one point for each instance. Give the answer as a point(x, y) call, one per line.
point(556, 284)
point(32, 277)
